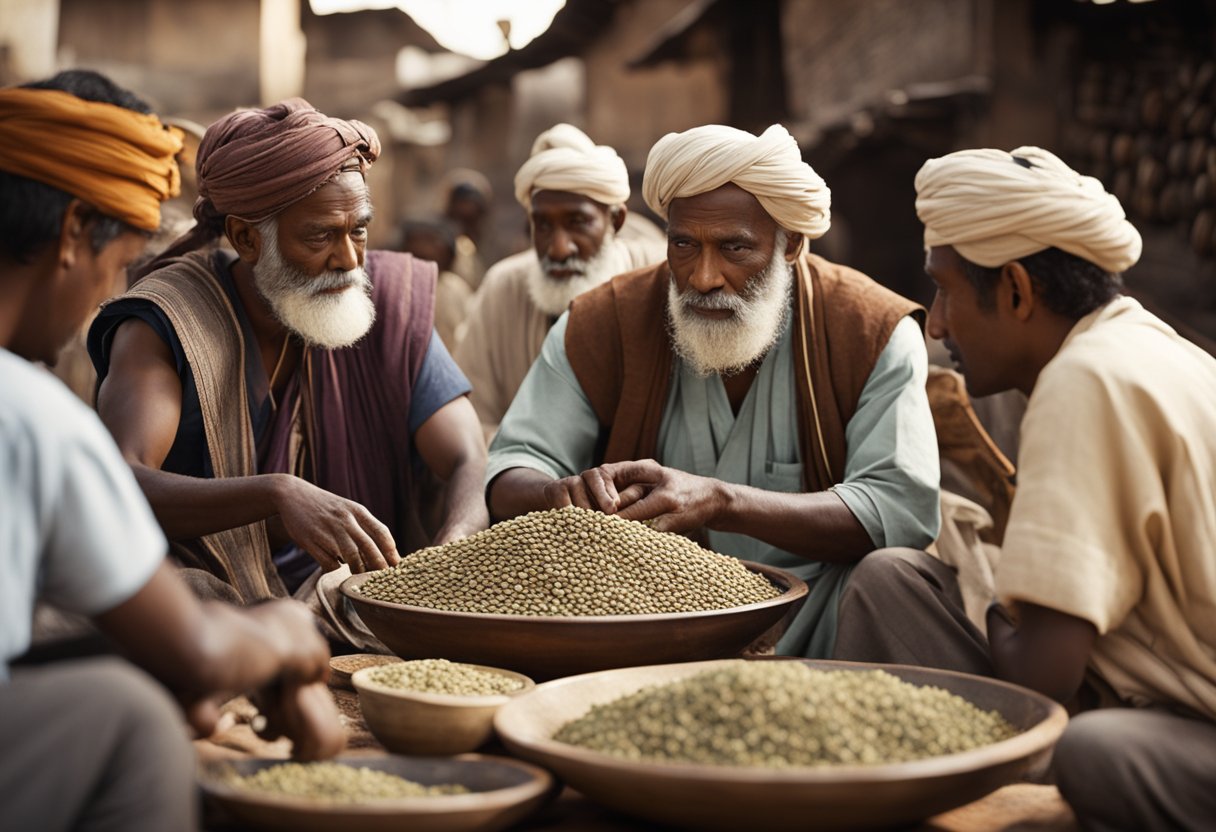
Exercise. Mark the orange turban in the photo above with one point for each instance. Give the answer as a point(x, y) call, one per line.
point(118, 160)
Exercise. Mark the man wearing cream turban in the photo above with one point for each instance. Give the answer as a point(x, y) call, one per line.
point(278, 403)
point(743, 391)
point(95, 743)
point(574, 192)
point(1107, 560)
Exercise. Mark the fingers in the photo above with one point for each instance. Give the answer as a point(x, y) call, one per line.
point(631, 495)
point(601, 489)
point(570, 491)
point(203, 716)
point(310, 720)
point(381, 537)
point(655, 504)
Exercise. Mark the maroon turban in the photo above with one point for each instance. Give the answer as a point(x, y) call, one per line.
point(255, 163)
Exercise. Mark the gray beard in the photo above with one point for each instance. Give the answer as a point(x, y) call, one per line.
point(730, 345)
point(552, 295)
point(298, 302)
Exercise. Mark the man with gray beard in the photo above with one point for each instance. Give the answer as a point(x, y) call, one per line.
point(743, 391)
point(574, 192)
point(281, 407)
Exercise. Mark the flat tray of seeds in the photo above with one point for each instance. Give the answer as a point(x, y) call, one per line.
point(782, 743)
point(567, 591)
point(377, 793)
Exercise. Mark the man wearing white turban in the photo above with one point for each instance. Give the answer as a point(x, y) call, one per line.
point(574, 192)
point(742, 391)
point(1107, 557)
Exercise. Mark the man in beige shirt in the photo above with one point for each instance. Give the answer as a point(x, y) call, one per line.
point(1106, 582)
point(574, 192)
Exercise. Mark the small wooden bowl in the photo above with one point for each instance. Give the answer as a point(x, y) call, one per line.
point(549, 647)
point(503, 792)
point(413, 722)
point(819, 798)
point(341, 668)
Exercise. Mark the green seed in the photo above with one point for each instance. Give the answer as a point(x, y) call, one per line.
point(335, 783)
point(442, 676)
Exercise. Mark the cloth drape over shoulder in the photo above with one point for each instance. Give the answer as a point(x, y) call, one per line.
point(619, 349)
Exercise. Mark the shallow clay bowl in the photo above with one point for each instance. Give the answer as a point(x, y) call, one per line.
point(504, 791)
point(341, 668)
point(413, 722)
point(555, 646)
point(731, 797)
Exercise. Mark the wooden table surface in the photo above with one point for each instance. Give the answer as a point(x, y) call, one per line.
point(1023, 807)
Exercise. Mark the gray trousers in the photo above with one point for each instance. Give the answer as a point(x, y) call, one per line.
point(903, 606)
point(1121, 768)
point(93, 745)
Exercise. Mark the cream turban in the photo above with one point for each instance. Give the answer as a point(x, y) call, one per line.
point(768, 166)
point(565, 159)
point(994, 208)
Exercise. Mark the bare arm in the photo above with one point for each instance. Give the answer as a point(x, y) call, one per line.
point(203, 651)
point(1046, 650)
point(452, 446)
point(140, 403)
point(518, 491)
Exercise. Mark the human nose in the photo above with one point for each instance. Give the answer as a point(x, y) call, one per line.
point(345, 255)
point(561, 246)
point(936, 323)
point(706, 276)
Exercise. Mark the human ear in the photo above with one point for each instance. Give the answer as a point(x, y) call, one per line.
point(618, 217)
point(73, 233)
point(245, 238)
point(1019, 287)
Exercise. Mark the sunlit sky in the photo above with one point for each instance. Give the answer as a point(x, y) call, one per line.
point(469, 27)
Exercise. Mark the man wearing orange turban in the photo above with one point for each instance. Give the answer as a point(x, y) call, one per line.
point(279, 403)
point(96, 743)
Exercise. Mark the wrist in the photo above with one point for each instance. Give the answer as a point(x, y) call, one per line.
point(723, 501)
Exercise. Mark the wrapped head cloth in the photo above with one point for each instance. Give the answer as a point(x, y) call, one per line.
point(768, 166)
point(255, 163)
point(120, 161)
point(565, 159)
point(995, 206)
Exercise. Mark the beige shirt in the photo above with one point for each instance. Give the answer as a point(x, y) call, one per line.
point(504, 330)
point(452, 299)
point(1114, 520)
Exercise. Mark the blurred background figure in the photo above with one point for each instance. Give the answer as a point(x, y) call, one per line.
point(436, 240)
point(469, 197)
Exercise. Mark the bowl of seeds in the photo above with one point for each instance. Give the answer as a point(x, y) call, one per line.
point(782, 743)
point(567, 591)
point(433, 706)
point(377, 794)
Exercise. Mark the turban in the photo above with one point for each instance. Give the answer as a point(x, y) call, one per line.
point(115, 159)
point(254, 163)
point(994, 207)
point(768, 166)
point(565, 159)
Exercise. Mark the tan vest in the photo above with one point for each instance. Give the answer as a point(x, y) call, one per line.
point(619, 349)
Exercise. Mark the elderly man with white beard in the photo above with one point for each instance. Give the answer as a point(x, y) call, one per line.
point(743, 391)
point(574, 192)
point(279, 405)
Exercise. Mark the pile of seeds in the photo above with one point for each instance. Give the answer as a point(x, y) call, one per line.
point(785, 714)
point(443, 676)
point(336, 783)
point(569, 561)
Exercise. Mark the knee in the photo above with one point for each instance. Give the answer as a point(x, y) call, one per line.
point(139, 708)
point(1089, 761)
point(882, 570)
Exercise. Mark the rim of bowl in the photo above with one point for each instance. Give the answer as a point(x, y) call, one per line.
point(795, 588)
point(360, 681)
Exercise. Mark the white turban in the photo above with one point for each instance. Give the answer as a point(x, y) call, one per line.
point(565, 159)
point(768, 166)
point(994, 208)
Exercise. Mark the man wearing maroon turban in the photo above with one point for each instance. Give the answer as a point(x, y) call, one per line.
point(281, 402)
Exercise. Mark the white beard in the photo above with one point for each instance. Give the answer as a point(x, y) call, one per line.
point(299, 303)
point(729, 345)
point(552, 295)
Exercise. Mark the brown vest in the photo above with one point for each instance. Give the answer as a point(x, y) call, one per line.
point(619, 349)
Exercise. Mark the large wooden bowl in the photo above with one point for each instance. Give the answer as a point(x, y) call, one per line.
point(504, 791)
point(552, 647)
point(731, 797)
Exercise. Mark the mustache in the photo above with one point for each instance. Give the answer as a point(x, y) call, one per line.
point(329, 281)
